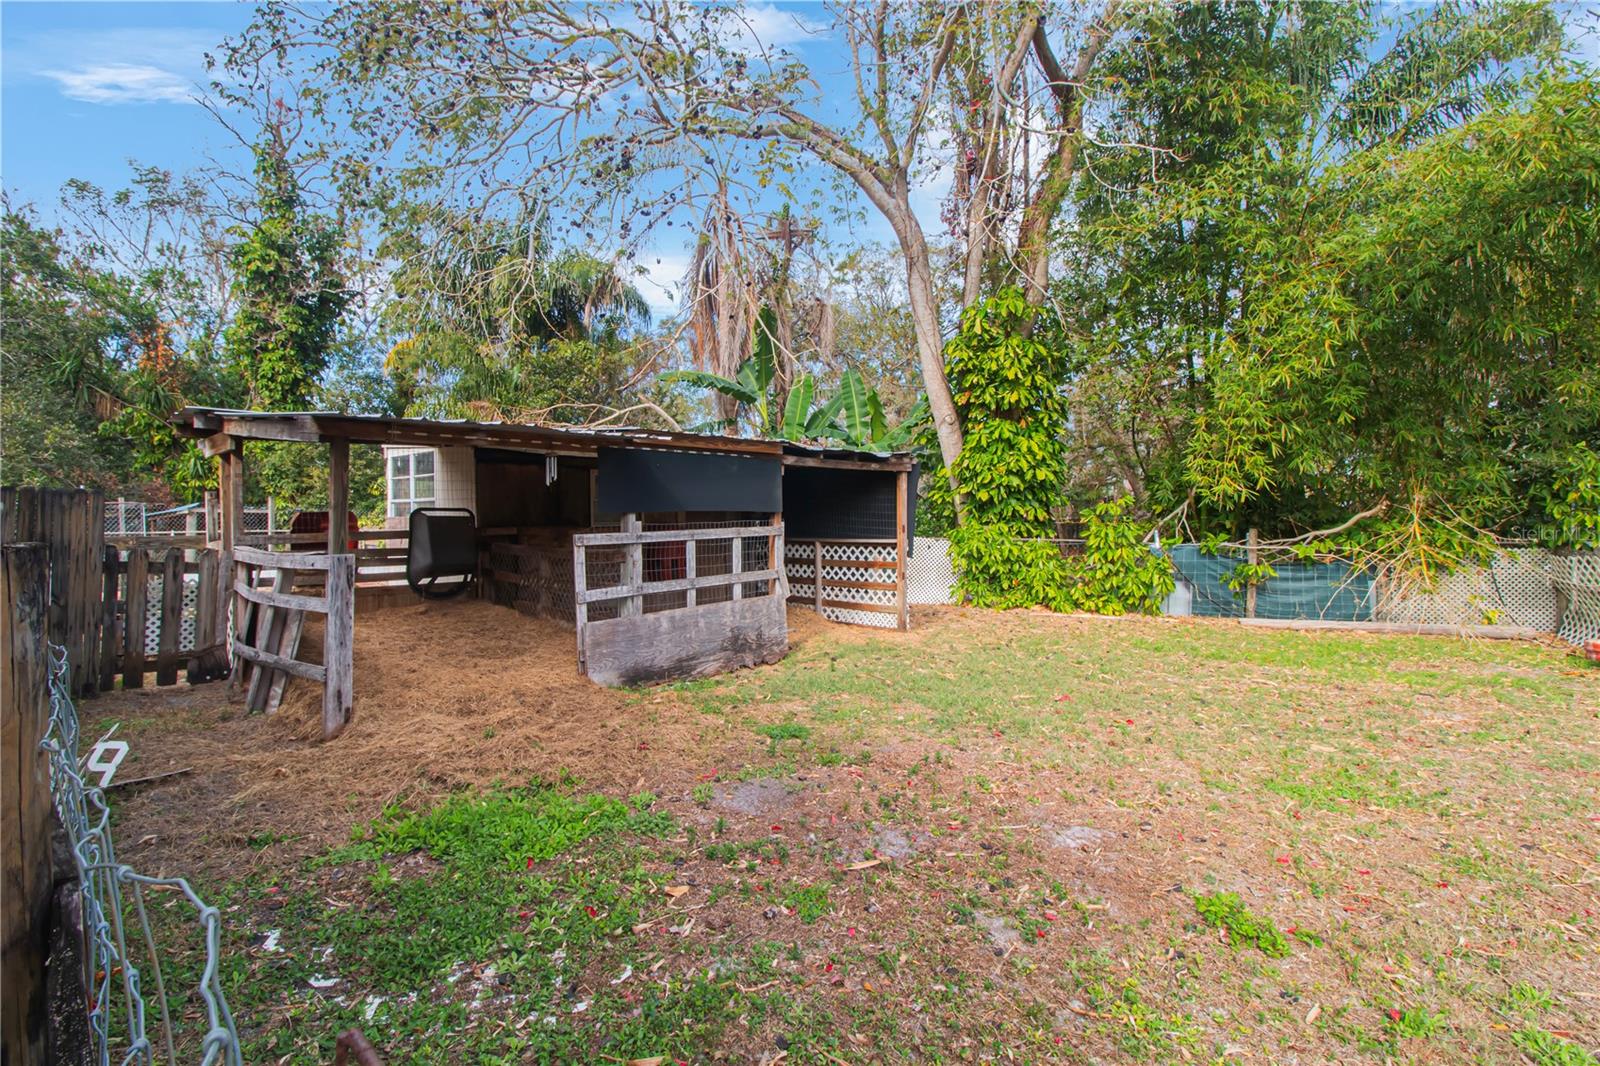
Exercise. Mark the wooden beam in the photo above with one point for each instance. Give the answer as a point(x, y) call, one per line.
point(667, 536)
point(288, 427)
point(892, 464)
point(217, 444)
point(338, 496)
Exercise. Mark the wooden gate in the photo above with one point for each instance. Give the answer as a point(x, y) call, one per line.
point(269, 616)
point(663, 604)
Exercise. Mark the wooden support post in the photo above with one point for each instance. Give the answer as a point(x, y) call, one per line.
point(632, 567)
point(230, 521)
point(171, 617)
point(133, 626)
point(111, 568)
point(1252, 556)
point(25, 857)
point(338, 496)
point(338, 646)
point(776, 561)
point(689, 564)
point(816, 575)
point(902, 609)
point(736, 550)
point(580, 585)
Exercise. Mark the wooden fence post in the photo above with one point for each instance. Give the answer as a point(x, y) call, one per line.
point(171, 617)
point(632, 567)
point(133, 627)
point(901, 536)
point(112, 568)
point(25, 856)
point(338, 646)
point(1252, 555)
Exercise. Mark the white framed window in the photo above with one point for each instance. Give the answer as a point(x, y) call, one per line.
point(410, 482)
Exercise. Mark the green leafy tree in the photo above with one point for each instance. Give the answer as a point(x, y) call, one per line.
point(290, 289)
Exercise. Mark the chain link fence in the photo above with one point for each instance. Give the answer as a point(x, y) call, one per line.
point(117, 932)
point(135, 518)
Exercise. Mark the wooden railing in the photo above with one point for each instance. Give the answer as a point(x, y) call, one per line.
point(647, 632)
point(268, 622)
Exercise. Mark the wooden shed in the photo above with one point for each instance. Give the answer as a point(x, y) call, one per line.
point(671, 554)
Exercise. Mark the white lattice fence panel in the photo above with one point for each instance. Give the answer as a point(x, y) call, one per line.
point(844, 566)
point(1514, 589)
point(152, 613)
point(1578, 576)
point(929, 573)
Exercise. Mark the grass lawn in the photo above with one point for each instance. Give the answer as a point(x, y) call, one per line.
point(1001, 837)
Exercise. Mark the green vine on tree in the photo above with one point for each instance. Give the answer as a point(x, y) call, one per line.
point(291, 293)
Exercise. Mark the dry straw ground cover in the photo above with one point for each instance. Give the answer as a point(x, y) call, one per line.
point(1000, 837)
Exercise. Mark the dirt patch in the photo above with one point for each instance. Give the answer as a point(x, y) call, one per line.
point(762, 797)
point(448, 695)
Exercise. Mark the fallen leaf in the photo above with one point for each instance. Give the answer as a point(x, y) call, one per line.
point(864, 864)
point(675, 890)
point(1314, 1013)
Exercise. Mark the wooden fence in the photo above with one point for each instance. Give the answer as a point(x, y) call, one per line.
point(645, 612)
point(69, 523)
point(269, 618)
point(161, 610)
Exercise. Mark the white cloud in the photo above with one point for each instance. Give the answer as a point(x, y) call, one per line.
point(123, 83)
point(775, 27)
point(661, 284)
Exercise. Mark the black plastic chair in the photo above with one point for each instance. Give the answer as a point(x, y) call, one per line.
point(444, 544)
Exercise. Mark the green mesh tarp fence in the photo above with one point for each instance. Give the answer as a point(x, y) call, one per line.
point(1331, 591)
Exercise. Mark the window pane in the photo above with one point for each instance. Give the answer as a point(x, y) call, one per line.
point(422, 486)
point(398, 508)
point(399, 465)
point(422, 503)
point(423, 462)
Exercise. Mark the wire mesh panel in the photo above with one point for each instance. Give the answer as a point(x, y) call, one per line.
point(129, 1022)
point(930, 576)
point(533, 579)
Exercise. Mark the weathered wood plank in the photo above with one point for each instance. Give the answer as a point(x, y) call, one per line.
point(171, 617)
point(133, 627)
point(269, 635)
point(273, 597)
point(338, 496)
point(617, 592)
point(111, 573)
point(25, 863)
point(686, 643)
point(338, 647)
point(292, 560)
point(660, 536)
point(309, 671)
point(203, 667)
point(286, 649)
point(875, 608)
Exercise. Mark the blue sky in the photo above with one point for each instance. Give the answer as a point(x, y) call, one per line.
point(85, 87)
